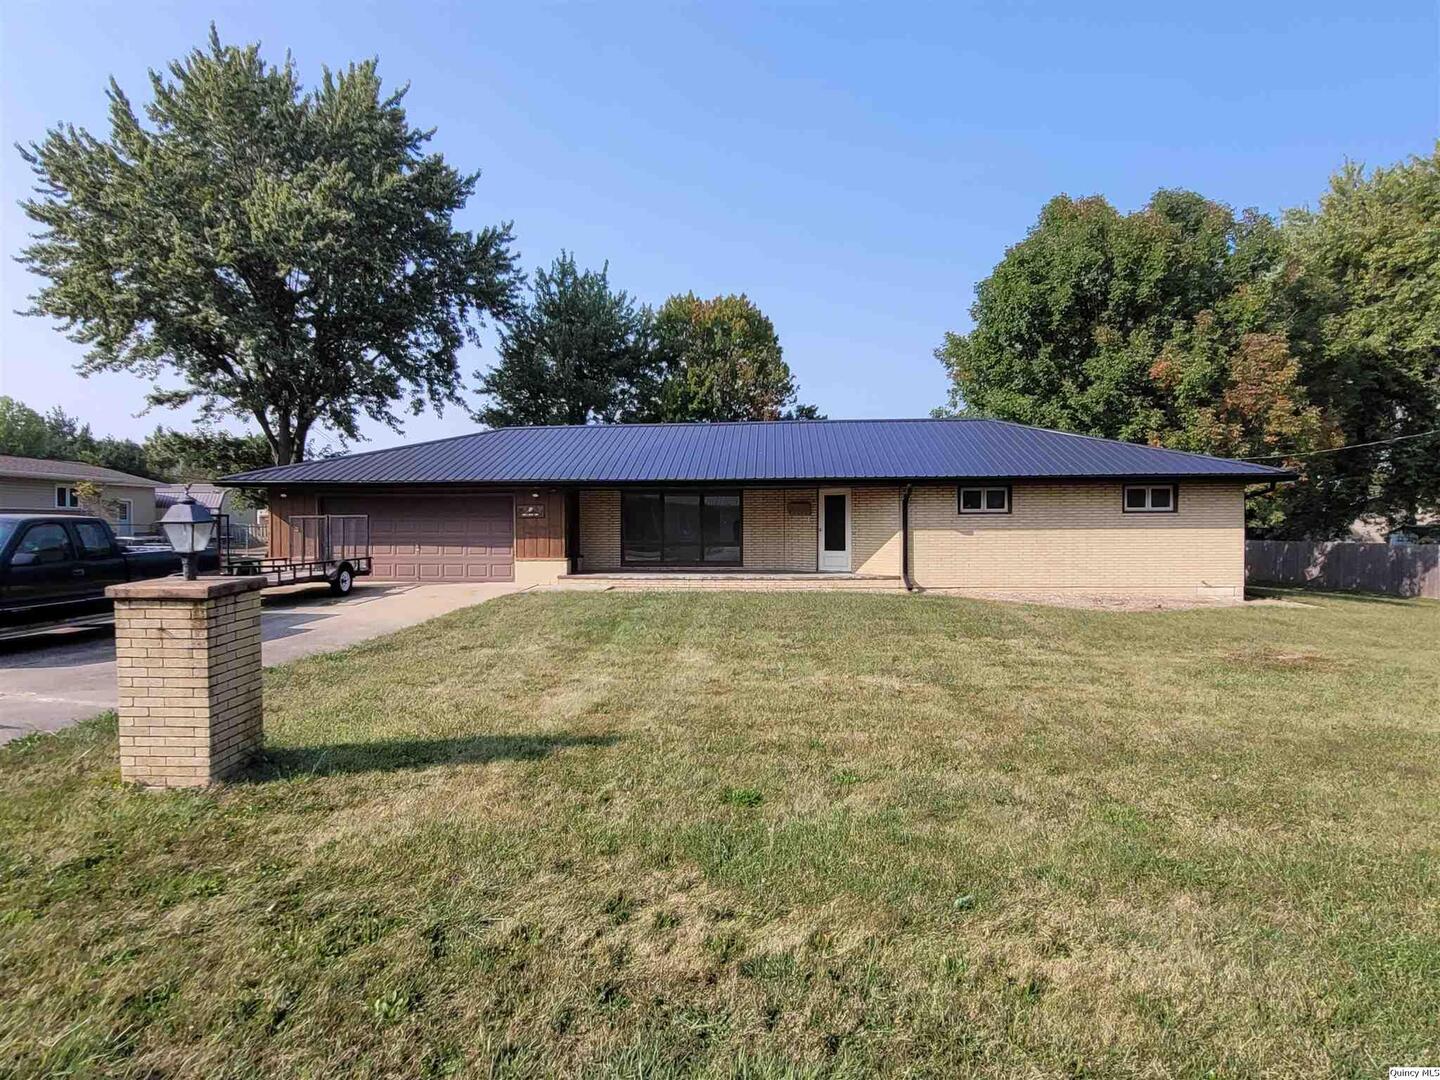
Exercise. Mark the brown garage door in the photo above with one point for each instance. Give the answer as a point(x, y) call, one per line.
point(437, 537)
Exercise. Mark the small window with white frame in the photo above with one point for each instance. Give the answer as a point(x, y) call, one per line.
point(985, 500)
point(124, 508)
point(66, 498)
point(1150, 499)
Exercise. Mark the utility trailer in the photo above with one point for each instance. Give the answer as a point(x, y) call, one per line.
point(334, 548)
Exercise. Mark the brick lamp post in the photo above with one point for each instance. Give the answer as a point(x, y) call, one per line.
point(187, 654)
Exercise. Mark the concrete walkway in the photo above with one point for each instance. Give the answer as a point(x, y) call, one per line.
point(52, 680)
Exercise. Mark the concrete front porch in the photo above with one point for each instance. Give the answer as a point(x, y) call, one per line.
point(735, 578)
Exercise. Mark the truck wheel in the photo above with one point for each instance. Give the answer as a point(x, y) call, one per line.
point(343, 582)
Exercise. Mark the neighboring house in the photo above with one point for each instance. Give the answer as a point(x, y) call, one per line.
point(954, 504)
point(242, 521)
point(1424, 529)
point(216, 499)
point(42, 484)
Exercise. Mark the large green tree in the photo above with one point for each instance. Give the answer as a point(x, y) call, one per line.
point(289, 255)
point(25, 433)
point(204, 453)
point(577, 352)
point(1367, 270)
point(720, 359)
point(1071, 322)
point(1182, 325)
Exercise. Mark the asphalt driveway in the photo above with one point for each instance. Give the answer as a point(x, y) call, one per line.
point(52, 680)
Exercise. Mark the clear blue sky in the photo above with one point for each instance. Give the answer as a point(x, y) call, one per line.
point(855, 170)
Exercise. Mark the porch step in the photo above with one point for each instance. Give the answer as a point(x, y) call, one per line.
point(752, 582)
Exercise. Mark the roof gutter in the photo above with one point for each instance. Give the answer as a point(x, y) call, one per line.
point(905, 538)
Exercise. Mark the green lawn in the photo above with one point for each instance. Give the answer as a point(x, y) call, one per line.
point(747, 835)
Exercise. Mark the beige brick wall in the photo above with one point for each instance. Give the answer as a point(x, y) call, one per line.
point(875, 530)
point(774, 538)
point(1075, 536)
point(189, 687)
point(599, 530)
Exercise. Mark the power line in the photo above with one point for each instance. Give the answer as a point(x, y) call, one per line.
point(1351, 446)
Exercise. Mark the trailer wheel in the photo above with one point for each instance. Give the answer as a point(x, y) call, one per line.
point(343, 581)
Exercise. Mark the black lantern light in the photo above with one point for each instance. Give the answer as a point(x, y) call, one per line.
point(188, 525)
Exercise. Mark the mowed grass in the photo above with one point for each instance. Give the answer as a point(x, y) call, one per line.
point(758, 835)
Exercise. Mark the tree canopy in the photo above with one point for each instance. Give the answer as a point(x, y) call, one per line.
point(1367, 266)
point(290, 255)
point(576, 352)
point(59, 436)
point(203, 453)
point(579, 352)
point(1187, 325)
point(720, 359)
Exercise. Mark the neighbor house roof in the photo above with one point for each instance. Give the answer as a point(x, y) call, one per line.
point(838, 450)
point(207, 495)
point(28, 468)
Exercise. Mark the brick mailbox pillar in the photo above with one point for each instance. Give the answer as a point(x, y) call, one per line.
point(188, 661)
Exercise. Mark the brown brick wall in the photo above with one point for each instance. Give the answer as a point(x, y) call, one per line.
point(1075, 536)
point(189, 680)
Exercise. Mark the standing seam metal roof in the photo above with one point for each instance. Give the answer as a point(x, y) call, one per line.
point(758, 451)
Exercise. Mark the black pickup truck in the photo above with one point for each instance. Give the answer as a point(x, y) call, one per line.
point(55, 566)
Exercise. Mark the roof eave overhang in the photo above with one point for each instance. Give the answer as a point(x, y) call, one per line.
point(1236, 477)
point(72, 478)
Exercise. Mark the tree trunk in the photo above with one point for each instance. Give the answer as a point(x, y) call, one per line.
point(287, 444)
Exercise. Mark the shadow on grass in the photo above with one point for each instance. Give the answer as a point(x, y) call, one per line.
point(392, 755)
point(1300, 593)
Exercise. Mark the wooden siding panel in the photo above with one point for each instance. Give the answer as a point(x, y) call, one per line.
point(540, 537)
point(283, 506)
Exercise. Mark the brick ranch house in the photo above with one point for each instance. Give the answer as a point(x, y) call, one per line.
point(928, 504)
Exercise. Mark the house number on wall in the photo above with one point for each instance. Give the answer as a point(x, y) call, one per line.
point(532, 510)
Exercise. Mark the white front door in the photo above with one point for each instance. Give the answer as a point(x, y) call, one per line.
point(834, 530)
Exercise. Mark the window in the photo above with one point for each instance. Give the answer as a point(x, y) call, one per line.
point(43, 544)
point(123, 509)
point(984, 500)
point(66, 498)
point(680, 528)
point(1151, 498)
point(93, 540)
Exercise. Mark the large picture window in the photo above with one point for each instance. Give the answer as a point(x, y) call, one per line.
point(680, 528)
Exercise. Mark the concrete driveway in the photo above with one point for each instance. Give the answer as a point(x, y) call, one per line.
point(52, 680)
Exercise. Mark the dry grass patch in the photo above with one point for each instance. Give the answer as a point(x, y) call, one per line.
point(650, 834)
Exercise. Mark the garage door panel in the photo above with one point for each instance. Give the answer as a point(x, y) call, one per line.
point(437, 538)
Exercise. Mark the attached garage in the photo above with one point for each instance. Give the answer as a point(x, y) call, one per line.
point(433, 538)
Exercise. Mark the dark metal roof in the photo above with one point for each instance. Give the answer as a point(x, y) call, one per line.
point(840, 450)
point(207, 495)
